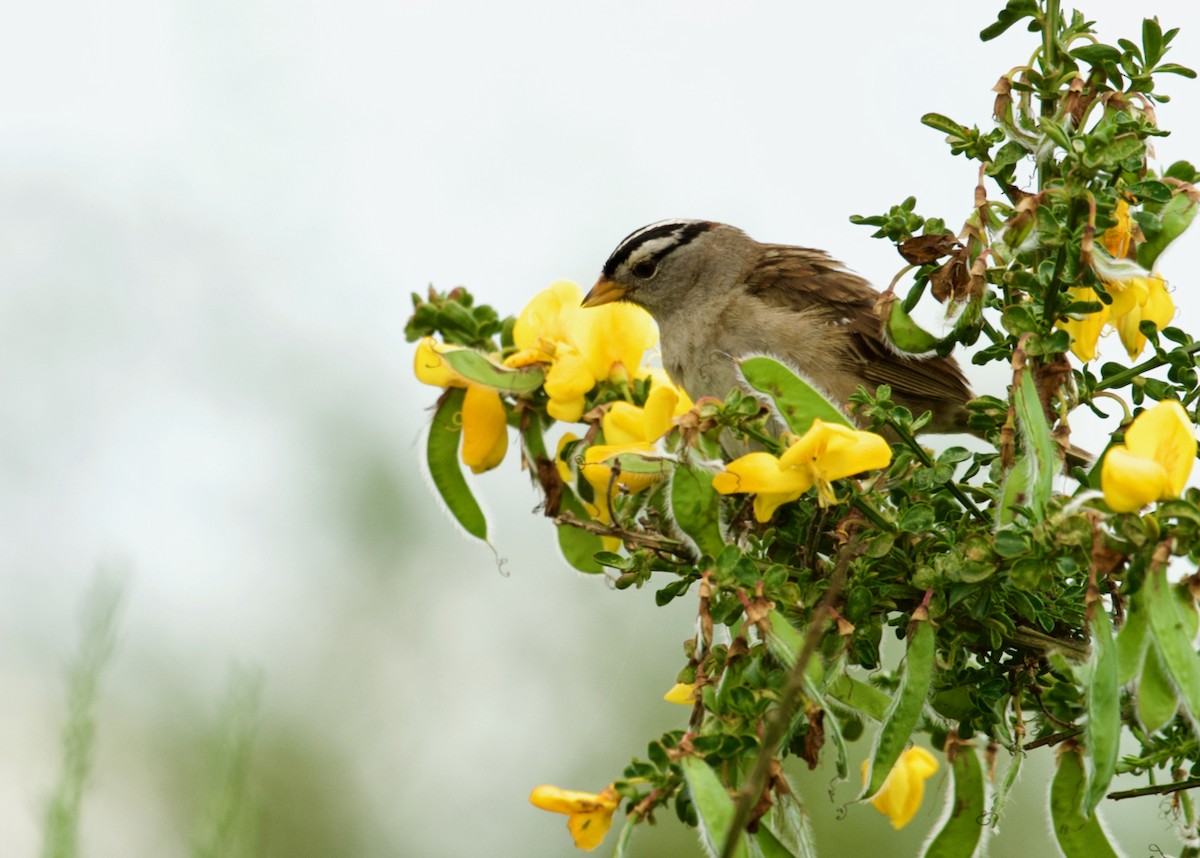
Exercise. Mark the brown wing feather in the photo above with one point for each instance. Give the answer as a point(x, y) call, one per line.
point(800, 277)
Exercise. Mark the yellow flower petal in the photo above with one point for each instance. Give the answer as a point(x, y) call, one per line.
point(527, 357)
point(588, 829)
point(597, 472)
point(765, 503)
point(760, 472)
point(1116, 239)
point(681, 693)
point(623, 423)
point(1165, 434)
point(1130, 481)
point(566, 383)
point(430, 368)
point(549, 317)
point(590, 813)
point(485, 429)
point(658, 411)
point(1085, 331)
point(900, 797)
point(560, 461)
point(614, 335)
point(566, 410)
point(659, 378)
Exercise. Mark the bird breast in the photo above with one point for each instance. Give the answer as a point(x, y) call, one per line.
point(700, 354)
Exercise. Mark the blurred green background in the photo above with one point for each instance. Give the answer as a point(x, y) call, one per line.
point(211, 217)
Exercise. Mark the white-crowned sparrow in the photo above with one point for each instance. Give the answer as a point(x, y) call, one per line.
point(719, 295)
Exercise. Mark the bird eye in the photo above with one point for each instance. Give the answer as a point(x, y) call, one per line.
point(645, 269)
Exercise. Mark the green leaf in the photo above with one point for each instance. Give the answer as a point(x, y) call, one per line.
point(944, 124)
point(1001, 796)
point(1157, 702)
point(1175, 68)
point(579, 547)
point(1156, 192)
point(919, 518)
point(858, 696)
point(476, 367)
point(1175, 217)
point(1079, 836)
point(1103, 708)
point(1124, 146)
point(1132, 641)
point(696, 508)
point(905, 711)
point(789, 825)
point(1009, 15)
point(1055, 132)
point(1010, 153)
point(785, 642)
point(1152, 41)
point(794, 398)
point(1097, 54)
point(637, 463)
point(1031, 480)
point(906, 335)
point(1174, 640)
point(961, 832)
point(1184, 171)
point(441, 452)
point(713, 805)
point(625, 836)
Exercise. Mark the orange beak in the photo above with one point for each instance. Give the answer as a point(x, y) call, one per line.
point(604, 292)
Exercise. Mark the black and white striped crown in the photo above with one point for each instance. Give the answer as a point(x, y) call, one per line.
point(655, 241)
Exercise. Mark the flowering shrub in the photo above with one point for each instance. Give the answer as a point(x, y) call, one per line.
point(1031, 616)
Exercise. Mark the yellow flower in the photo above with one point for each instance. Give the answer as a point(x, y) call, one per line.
point(659, 378)
point(826, 452)
point(582, 347)
point(681, 693)
point(589, 814)
point(485, 429)
point(1155, 461)
point(430, 368)
point(485, 420)
point(613, 335)
point(1152, 302)
point(1136, 296)
point(629, 429)
point(1117, 239)
point(1085, 331)
point(899, 798)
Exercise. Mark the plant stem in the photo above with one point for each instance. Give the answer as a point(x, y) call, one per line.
point(1158, 789)
point(1049, 52)
point(780, 718)
point(923, 456)
point(1130, 374)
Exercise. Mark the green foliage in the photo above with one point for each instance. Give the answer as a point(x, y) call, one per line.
point(1031, 616)
point(226, 830)
point(97, 641)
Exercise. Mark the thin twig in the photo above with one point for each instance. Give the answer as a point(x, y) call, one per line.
point(1053, 738)
point(780, 718)
point(1133, 372)
point(643, 539)
point(1157, 789)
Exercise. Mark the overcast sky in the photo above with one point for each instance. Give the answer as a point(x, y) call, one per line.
point(211, 217)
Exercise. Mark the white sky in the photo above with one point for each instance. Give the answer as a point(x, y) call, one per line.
point(211, 216)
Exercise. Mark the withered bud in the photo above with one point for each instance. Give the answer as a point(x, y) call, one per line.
point(923, 249)
point(952, 280)
point(1002, 108)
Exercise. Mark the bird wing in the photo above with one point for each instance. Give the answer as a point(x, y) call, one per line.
point(801, 278)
